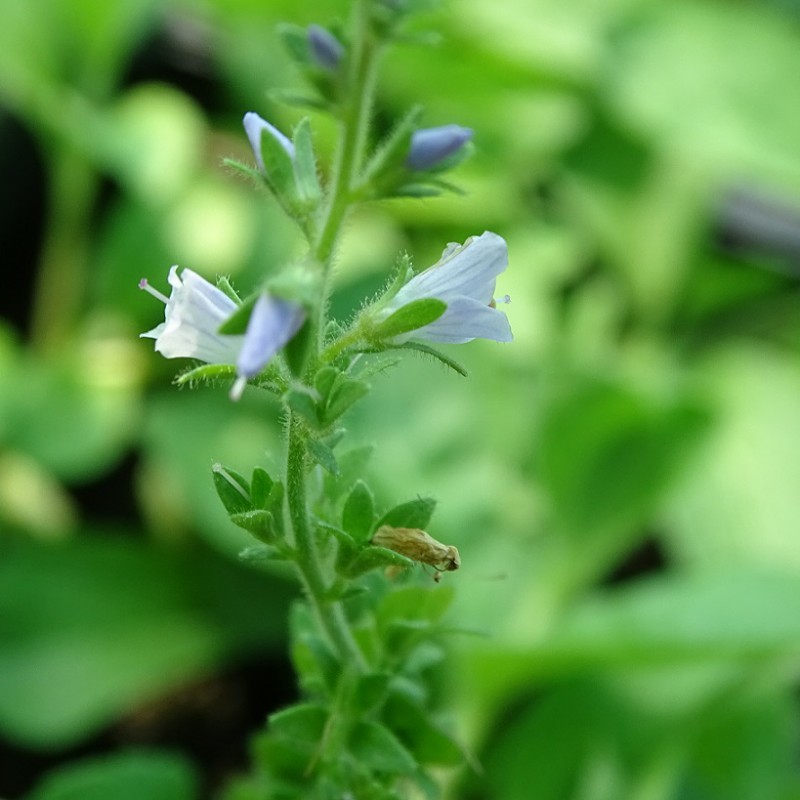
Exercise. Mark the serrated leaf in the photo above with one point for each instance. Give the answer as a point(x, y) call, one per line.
point(413, 514)
point(305, 165)
point(232, 488)
point(343, 396)
point(358, 514)
point(304, 722)
point(236, 324)
point(260, 486)
point(431, 351)
point(324, 456)
point(410, 317)
point(370, 558)
point(301, 401)
point(258, 522)
point(376, 746)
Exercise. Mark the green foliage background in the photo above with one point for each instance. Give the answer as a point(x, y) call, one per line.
point(622, 480)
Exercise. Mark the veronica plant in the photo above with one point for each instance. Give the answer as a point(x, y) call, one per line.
point(362, 638)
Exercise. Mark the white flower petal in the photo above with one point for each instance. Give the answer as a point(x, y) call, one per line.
point(469, 270)
point(466, 319)
point(194, 312)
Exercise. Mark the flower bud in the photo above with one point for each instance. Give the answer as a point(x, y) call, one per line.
point(325, 49)
point(254, 127)
point(430, 146)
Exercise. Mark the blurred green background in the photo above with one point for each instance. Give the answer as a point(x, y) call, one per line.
point(623, 481)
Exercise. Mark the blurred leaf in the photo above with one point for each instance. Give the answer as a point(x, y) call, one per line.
point(378, 748)
point(65, 416)
point(91, 627)
point(358, 514)
point(122, 776)
point(606, 455)
point(305, 722)
point(323, 455)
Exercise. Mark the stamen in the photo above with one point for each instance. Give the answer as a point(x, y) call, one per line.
point(238, 387)
point(144, 285)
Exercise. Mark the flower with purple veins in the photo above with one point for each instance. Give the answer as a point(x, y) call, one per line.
point(464, 278)
point(196, 309)
point(254, 127)
point(430, 146)
point(194, 312)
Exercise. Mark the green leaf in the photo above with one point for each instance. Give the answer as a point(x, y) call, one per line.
point(224, 285)
point(419, 347)
point(345, 394)
point(301, 401)
point(323, 455)
point(358, 514)
point(376, 746)
point(139, 620)
point(305, 165)
point(413, 514)
point(414, 604)
point(347, 549)
point(258, 522)
point(122, 776)
point(278, 169)
point(259, 553)
point(412, 722)
point(295, 39)
point(236, 324)
point(374, 558)
point(410, 317)
point(324, 380)
point(315, 664)
point(304, 722)
point(210, 373)
point(232, 488)
point(260, 487)
point(275, 506)
point(370, 692)
point(391, 153)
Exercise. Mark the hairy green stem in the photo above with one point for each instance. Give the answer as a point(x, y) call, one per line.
point(329, 613)
point(355, 119)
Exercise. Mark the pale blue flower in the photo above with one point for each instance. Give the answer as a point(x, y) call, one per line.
point(194, 312)
point(196, 309)
point(430, 146)
point(464, 278)
point(326, 50)
point(272, 324)
point(254, 127)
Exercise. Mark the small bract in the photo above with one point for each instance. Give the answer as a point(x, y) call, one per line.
point(254, 127)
